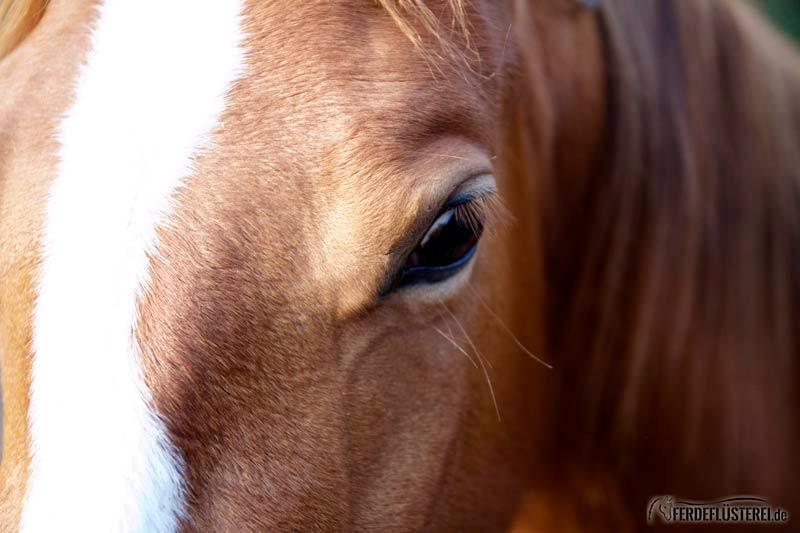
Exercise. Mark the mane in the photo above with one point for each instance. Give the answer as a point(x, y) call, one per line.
point(409, 15)
point(17, 20)
point(673, 272)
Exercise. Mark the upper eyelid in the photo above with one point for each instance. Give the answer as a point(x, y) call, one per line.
point(479, 184)
point(476, 197)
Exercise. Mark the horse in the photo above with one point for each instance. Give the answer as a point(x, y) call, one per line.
point(394, 265)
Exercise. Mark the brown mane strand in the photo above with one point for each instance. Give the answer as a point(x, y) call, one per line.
point(673, 273)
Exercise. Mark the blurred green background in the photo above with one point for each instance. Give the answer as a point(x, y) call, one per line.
point(786, 13)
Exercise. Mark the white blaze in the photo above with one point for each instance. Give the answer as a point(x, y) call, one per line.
point(152, 90)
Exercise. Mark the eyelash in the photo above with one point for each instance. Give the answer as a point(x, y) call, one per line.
point(483, 211)
point(475, 211)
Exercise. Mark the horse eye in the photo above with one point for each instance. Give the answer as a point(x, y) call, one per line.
point(446, 247)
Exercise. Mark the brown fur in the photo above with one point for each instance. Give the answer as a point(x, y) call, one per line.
point(649, 154)
point(297, 403)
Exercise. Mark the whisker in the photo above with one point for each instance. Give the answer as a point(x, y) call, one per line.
point(469, 339)
point(480, 360)
point(479, 354)
point(459, 348)
point(508, 330)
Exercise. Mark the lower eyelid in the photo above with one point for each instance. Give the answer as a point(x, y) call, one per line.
point(436, 274)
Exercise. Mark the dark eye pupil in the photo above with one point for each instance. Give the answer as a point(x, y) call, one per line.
point(448, 240)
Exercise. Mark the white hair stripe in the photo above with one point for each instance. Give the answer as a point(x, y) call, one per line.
point(151, 92)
